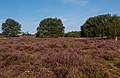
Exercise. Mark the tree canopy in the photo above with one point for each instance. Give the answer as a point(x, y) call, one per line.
point(101, 25)
point(11, 27)
point(113, 27)
point(50, 27)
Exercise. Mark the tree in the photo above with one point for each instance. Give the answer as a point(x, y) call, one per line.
point(26, 33)
point(74, 34)
point(96, 26)
point(50, 27)
point(101, 25)
point(113, 27)
point(11, 28)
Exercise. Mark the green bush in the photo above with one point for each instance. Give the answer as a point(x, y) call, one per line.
point(66, 45)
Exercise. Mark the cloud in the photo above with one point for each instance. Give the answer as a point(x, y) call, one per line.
point(79, 2)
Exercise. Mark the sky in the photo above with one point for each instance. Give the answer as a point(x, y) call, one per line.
point(73, 13)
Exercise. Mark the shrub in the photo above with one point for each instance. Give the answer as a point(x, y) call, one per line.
point(66, 45)
point(61, 72)
point(45, 73)
point(52, 45)
point(28, 58)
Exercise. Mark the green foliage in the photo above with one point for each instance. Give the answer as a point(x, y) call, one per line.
point(50, 27)
point(113, 28)
point(81, 75)
point(101, 25)
point(26, 33)
point(74, 34)
point(66, 45)
point(28, 58)
point(11, 28)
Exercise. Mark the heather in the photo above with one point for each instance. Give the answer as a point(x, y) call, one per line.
point(31, 57)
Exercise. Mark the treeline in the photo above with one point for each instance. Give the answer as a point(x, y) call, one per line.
point(97, 26)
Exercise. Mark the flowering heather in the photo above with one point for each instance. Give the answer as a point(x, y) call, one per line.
point(30, 57)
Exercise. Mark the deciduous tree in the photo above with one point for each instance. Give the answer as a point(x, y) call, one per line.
point(101, 25)
point(11, 28)
point(50, 27)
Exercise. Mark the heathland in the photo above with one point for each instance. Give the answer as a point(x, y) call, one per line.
point(31, 57)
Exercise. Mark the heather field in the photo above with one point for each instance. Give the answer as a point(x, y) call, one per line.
point(30, 57)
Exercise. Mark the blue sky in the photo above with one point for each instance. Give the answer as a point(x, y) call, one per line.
point(73, 13)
